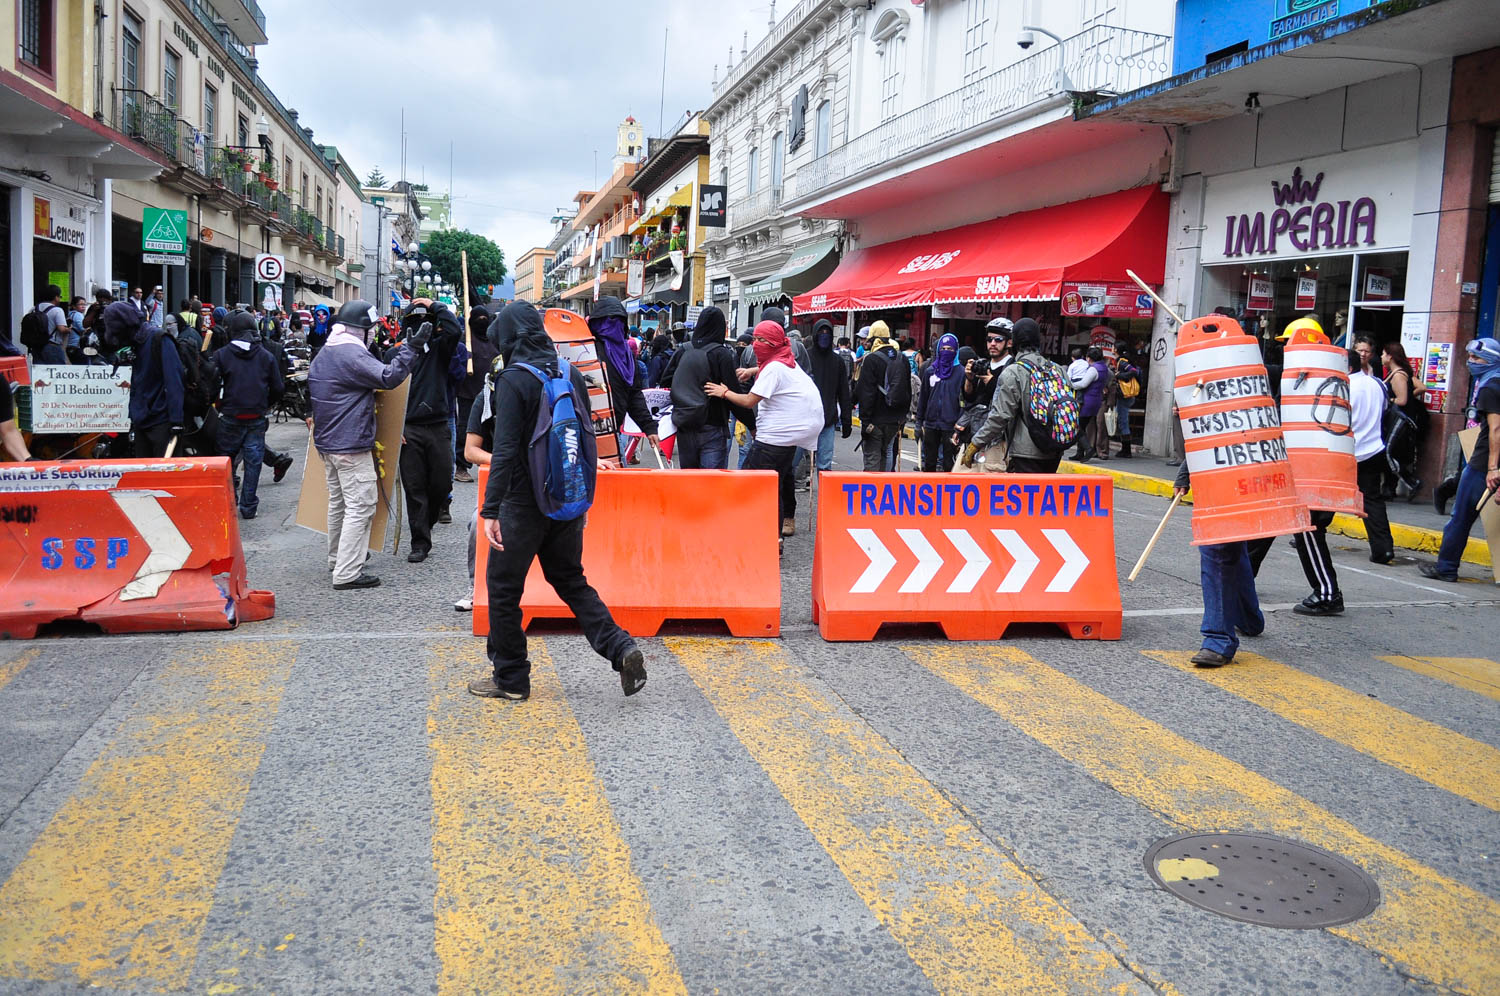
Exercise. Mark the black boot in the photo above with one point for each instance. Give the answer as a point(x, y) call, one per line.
point(1443, 494)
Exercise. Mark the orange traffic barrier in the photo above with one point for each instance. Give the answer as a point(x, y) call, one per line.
point(1316, 423)
point(574, 339)
point(131, 546)
point(665, 545)
point(971, 555)
point(1242, 481)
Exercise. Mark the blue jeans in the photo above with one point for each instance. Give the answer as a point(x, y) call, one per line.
point(1229, 599)
point(826, 440)
point(52, 353)
point(704, 448)
point(245, 440)
point(1456, 532)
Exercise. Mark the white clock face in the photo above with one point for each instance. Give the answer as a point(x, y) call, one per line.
point(631, 136)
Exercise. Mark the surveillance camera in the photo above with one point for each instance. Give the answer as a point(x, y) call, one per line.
point(1026, 39)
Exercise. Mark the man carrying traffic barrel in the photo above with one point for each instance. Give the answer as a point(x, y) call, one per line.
point(342, 382)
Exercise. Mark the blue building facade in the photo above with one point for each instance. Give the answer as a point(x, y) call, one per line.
point(1208, 30)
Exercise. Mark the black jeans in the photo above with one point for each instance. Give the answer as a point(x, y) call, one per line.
point(876, 443)
point(938, 451)
point(528, 535)
point(1086, 449)
point(1033, 465)
point(427, 477)
point(779, 459)
point(1377, 525)
point(151, 441)
point(464, 407)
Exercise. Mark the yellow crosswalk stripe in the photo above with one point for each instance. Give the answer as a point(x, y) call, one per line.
point(116, 890)
point(9, 669)
point(1434, 927)
point(535, 892)
point(968, 915)
point(1416, 746)
point(1473, 673)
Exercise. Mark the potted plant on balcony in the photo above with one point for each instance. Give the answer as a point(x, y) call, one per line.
point(678, 241)
point(268, 173)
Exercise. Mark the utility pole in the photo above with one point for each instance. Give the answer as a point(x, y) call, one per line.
point(380, 300)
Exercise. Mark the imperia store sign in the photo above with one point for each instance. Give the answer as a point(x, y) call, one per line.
point(1353, 201)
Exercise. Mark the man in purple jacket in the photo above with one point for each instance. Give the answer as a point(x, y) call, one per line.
point(342, 382)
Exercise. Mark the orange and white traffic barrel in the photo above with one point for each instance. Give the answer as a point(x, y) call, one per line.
point(1243, 486)
point(1316, 419)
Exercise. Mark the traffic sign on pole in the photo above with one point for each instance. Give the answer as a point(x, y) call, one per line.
point(163, 259)
point(164, 231)
point(270, 268)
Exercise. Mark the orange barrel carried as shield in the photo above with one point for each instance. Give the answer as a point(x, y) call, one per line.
point(1243, 486)
point(1316, 420)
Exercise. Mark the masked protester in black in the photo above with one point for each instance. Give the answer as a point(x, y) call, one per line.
point(518, 533)
point(427, 446)
point(473, 383)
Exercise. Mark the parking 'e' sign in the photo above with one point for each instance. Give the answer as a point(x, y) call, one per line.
point(164, 231)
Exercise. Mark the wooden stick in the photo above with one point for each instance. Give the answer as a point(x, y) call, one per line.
point(171, 448)
point(1165, 307)
point(654, 449)
point(1176, 500)
point(463, 257)
point(1483, 500)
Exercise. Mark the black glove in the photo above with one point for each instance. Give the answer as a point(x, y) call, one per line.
point(848, 431)
point(418, 339)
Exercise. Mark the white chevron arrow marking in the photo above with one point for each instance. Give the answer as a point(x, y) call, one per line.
point(1026, 561)
point(929, 561)
point(1074, 560)
point(975, 561)
point(168, 548)
point(881, 561)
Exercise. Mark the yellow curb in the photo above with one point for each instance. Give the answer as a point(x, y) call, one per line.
point(1406, 537)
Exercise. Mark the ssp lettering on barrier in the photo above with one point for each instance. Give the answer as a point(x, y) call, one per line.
point(971, 555)
point(129, 546)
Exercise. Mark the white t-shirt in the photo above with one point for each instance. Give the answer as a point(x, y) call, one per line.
point(792, 412)
point(1367, 404)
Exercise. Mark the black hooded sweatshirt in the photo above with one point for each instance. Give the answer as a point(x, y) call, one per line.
point(519, 336)
point(717, 364)
point(625, 397)
point(427, 400)
point(833, 384)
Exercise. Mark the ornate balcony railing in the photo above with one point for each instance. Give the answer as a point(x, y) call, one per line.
point(1103, 58)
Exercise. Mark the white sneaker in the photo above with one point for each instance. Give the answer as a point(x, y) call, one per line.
point(465, 604)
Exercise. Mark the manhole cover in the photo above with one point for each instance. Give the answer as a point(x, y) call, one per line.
point(1262, 879)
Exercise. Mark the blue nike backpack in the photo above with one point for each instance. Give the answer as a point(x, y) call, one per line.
point(562, 455)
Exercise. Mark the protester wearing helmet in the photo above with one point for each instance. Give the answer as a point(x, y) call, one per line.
point(342, 382)
point(1481, 475)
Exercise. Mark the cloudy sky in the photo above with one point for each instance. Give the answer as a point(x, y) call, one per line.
point(524, 91)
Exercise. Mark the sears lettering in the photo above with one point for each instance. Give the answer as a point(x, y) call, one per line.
point(933, 261)
point(1239, 454)
point(1257, 385)
point(1234, 420)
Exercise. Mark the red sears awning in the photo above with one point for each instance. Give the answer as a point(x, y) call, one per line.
point(1020, 257)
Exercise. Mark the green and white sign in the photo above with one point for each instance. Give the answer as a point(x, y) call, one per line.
point(164, 231)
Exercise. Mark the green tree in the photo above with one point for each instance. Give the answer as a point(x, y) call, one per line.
point(376, 178)
point(486, 261)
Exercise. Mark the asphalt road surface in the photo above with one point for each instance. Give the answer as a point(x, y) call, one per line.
point(315, 804)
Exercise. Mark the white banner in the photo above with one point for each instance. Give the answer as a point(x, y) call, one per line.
point(80, 399)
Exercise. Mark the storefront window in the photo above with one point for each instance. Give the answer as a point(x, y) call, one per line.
point(1363, 292)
